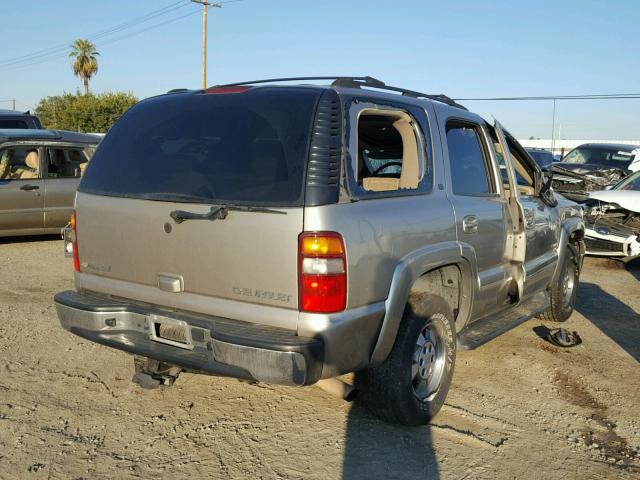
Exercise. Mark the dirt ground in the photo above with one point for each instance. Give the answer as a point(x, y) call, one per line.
point(519, 407)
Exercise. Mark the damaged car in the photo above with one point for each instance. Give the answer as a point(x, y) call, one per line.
point(612, 219)
point(592, 167)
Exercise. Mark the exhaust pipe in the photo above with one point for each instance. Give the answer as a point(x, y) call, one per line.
point(338, 388)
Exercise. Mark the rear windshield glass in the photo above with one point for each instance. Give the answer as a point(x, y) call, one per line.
point(240, 148)
point(11, 123)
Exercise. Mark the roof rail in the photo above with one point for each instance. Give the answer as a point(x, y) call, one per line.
point(356, 82)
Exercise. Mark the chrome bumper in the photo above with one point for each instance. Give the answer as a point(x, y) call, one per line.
point(211, 345)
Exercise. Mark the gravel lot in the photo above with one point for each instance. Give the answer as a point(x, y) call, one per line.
point(519, 407)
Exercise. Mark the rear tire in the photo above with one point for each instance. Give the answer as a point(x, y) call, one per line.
point(563, 291)
point(410, 386)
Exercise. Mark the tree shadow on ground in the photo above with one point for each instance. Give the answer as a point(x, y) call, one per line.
point(374, 449)
point(614, 318)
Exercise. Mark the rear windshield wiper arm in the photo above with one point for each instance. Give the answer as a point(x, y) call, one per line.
point(219, 213)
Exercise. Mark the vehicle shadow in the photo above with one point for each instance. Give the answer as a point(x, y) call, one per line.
point(614, 318)
point(374, 449)
point(633, 267)
point(30, 238)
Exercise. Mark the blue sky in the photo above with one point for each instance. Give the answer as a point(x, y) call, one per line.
point(464, 48)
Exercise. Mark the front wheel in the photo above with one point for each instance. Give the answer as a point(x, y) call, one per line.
point(410, 386)
point(564, 289)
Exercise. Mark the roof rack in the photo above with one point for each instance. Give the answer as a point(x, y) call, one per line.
point(356, 82)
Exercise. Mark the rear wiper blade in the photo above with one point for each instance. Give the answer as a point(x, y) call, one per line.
point(247, 208)
point(219, 213)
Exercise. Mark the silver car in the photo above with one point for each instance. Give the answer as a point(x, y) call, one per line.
point(39, 173)
point(294, 233)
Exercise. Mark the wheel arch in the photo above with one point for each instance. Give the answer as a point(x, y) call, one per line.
point(572, 232)
point(413, 273)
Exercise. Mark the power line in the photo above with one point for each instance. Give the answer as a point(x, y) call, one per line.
point(60, 51)
point(612, 96)
point(55, 51)
point(106, 42)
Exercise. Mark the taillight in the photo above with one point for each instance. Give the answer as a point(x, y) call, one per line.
point(74, 242)
point(323, 272)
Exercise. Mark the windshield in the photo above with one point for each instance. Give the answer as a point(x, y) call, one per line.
point(606, 156)
point(248, 147)
point(632, 182)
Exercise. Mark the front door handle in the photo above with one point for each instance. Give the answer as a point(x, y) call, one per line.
point(29, 187)
point(470, 224)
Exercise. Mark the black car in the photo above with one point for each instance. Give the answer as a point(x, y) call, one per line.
point(15, 119)
point(544, 158)
point(593, 166)
point(598, 156)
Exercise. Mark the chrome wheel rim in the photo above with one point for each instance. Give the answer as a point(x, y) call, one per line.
point(568, 284)
point(428, 363)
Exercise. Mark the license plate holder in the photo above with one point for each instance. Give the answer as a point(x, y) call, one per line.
point(170, 331)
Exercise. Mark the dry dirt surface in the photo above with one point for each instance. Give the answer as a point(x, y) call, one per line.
point(519, 407)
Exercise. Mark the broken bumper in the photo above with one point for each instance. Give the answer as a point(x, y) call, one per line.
point(212, 345)
point(603, 242)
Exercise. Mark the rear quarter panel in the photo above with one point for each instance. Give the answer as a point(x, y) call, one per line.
point(378, 233)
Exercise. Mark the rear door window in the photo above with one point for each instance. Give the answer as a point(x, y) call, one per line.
point(468, 158)
point(244, 148)
point(65, 162)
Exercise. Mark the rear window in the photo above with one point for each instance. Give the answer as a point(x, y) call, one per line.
point(13, 123)
point(241, 148)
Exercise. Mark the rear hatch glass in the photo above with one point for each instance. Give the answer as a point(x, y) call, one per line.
point(240, 148)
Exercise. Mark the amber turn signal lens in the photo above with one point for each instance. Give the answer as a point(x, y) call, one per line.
point(321, 245)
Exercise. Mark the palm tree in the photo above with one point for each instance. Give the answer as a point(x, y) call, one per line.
point(85, 64)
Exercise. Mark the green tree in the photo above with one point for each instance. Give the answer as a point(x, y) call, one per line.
point(85, 63)
point(84, 113)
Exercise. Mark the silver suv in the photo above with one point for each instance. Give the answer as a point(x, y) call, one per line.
point(292, 233)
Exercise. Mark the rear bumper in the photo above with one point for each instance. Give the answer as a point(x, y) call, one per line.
point(215, 346)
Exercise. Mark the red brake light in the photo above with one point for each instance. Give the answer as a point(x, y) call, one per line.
point(322, 272)
point(220, 90)
point(74, 240)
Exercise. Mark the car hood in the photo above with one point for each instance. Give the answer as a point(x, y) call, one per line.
point(627, 199)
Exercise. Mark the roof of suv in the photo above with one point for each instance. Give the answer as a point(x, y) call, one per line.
point(339, 83)
point(48, 135)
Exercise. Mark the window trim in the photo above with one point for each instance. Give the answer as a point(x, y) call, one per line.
point(494, 186)
point(424, 144)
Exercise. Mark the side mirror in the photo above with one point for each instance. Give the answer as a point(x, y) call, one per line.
point(546, 192)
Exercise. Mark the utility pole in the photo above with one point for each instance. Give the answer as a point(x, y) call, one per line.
point(553, 126)
point(14, 103)
point(205, 4)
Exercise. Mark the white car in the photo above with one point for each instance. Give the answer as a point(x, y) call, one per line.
point(612, 218)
